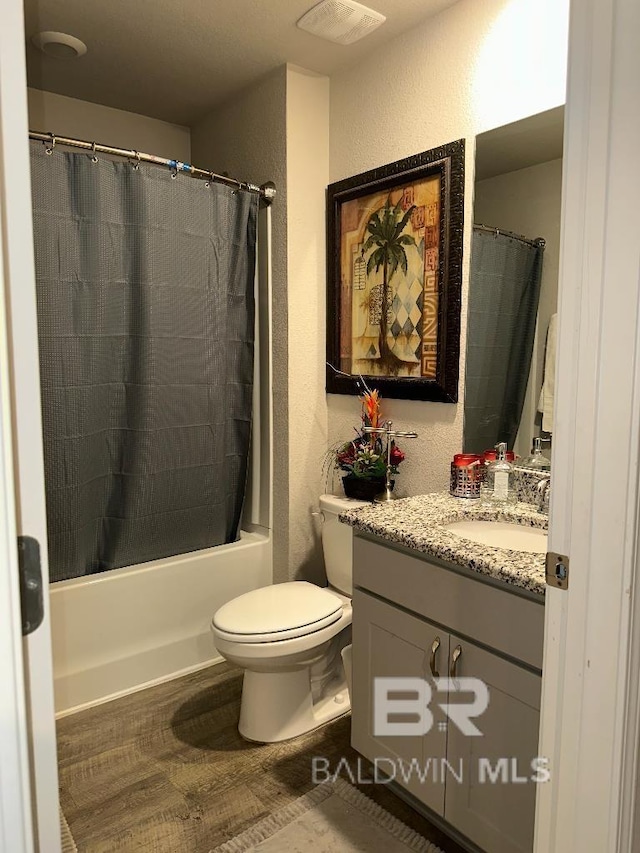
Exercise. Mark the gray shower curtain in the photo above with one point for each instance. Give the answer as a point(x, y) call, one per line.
point(503, 304)
point(145, 322)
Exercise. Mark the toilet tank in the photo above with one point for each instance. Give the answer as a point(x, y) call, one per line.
point(337, 542)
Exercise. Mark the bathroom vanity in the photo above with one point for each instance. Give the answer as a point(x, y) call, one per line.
point(429, 605)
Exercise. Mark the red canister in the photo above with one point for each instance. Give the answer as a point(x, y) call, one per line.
point(466, 475)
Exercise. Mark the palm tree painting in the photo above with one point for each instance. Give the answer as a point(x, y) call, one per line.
point(389, 250)
point(387, 237)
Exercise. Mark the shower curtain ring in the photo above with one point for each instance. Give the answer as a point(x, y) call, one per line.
point(51, 144)
point(136, 165)
point(94, 159)
point(209, 180)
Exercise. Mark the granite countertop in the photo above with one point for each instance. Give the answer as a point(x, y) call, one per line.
point(418, 523)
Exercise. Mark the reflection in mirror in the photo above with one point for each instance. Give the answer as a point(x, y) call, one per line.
point(513, 286)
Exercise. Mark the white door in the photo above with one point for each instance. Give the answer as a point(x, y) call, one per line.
point(22, 458)
point(590, 687)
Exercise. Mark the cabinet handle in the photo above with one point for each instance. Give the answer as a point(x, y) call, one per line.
point(432, 660)
point(457, 653)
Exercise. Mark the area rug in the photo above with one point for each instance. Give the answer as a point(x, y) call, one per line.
point(334, 816)
point(68, 844)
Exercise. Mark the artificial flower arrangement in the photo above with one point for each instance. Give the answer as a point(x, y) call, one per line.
point(364, 458)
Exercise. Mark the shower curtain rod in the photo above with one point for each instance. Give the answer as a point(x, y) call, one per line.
point(267, 191)
point(539, 242)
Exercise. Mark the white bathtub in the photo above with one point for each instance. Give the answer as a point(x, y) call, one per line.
point(117, 632)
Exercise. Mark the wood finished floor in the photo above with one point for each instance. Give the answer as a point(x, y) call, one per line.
point(166, 771)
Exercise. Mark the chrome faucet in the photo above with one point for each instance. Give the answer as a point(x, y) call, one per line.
point(544, 488)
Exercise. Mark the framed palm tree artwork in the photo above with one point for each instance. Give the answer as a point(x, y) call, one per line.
point(394, 273)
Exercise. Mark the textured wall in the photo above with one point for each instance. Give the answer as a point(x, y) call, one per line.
point(307, 178)
point(528, 202)
point(84, 120)
point(247, 138)
point(475, 66)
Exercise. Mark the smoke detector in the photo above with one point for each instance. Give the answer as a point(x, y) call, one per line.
point(59, 45)
point(341, 21)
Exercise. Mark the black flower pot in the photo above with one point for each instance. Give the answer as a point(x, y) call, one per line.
point(363, 489)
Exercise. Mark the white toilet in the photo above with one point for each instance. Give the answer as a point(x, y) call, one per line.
point(288, 638)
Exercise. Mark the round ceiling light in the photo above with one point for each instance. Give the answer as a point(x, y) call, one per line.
point(59, 45)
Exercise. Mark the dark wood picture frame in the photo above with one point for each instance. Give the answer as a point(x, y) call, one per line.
point(431, 334)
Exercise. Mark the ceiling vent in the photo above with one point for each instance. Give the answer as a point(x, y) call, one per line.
point(341, 21)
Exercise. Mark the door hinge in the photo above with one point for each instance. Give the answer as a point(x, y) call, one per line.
point(31, 594)
point(557, 570)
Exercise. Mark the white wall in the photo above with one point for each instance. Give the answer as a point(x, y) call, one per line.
point(475, 66)
point(307, 178)
point(77, 119)
point(528, 202)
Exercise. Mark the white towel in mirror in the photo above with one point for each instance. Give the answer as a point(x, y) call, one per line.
point(547, 392)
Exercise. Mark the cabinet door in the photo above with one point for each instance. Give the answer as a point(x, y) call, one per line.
point(494, 806)
point(390, 643)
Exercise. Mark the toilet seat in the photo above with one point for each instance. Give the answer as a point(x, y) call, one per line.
point(279, 612)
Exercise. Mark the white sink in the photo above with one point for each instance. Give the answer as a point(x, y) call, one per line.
point(501, 534)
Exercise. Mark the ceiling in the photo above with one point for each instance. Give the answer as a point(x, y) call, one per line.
point(176, 60)
point(533, 140)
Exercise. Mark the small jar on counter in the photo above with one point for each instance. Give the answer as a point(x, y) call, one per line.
point(467, 471)
point(490, 456)
point(498, 488)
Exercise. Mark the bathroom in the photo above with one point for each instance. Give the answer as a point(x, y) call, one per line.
point(301, 129)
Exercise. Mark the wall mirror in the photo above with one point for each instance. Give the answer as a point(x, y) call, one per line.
point(513, 286)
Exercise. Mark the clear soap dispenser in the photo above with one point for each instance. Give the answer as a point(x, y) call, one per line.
point(537, 461)
point(499, 485)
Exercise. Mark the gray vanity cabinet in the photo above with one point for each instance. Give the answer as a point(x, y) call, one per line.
point(389, 643)
point(401, 605)
point(495, 806)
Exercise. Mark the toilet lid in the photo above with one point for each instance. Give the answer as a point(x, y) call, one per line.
point(284, 610)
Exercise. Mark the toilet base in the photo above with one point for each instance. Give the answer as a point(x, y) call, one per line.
point(278, 706)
